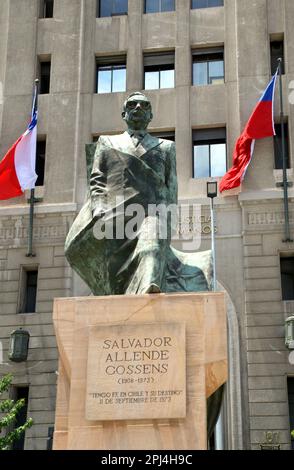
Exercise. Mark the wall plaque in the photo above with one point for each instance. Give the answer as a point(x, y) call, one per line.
point(136, 372)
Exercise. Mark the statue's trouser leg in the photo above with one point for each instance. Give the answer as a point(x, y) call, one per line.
point(149, 258)
point(214, 403)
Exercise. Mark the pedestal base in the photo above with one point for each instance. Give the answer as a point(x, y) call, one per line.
point(135, 371)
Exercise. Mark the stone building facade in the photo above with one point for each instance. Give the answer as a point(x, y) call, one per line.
point(249, 226)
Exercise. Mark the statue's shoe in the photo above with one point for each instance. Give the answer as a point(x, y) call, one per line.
point(153, 289)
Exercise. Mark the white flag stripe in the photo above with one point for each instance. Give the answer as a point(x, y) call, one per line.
point(25, 159)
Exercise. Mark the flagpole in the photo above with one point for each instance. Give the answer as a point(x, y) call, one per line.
point(285, 181)
point(30, 252)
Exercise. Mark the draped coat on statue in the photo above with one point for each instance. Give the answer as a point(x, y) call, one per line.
point(122, 175)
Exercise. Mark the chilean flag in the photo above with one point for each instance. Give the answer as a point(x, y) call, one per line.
point(259, 126)
point(17, 168)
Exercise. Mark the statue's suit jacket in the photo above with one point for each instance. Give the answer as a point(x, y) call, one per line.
point(123, 174)
point(145, 174)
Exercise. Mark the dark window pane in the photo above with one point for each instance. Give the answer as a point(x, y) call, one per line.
point(277, 51)
point(151, 6)
point(278, 146)
point(199, 3)
point(105, 8)
point(21, 417)
point(207, 3)
point(120, 7)
point(30, 291)
point(45, 69)
point(48, 8)
point(40, 161)
point(156, 6)
point(112, 7)
point(167, 5)
point(287, 278)
point(215, 3)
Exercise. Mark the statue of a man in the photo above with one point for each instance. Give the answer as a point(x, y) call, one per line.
point(132, 171)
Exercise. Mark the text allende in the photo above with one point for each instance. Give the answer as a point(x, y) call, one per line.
point(135, 356)
point(124, 343)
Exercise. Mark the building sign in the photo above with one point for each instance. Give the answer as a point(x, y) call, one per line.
point(136, 372)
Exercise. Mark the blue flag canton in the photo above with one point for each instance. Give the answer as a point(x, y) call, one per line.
point(269, 92)
point(33, 122)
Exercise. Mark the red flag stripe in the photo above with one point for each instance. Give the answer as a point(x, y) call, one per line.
point(9, 185)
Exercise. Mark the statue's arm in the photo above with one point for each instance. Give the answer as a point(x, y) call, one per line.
point(98, 180)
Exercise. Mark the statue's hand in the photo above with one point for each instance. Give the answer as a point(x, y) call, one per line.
point(98, 214)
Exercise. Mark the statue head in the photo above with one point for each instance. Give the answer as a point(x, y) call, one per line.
point(137, 111)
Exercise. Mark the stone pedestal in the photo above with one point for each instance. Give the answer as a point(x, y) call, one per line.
point(135, 371)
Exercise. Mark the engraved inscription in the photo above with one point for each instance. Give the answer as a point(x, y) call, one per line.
point(136, 372)
point(267, 218)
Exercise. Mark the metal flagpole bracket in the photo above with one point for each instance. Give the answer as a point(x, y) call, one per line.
point(280, 184)
point(32, 201)
point(36, 200)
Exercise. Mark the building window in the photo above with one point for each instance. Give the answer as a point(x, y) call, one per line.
point(45, 71)
point(287, 278)
point(112, 8)
point(46, 9)
point(159, 71)
point(208, 66)
point(21, 417)
point(156, 6)
point(290, 383)
point(277, 52)
point(28, 290)
point(168, 135)
point(209, 153)
point(278, 146)
point(40, 161)
point(206, 3)
point(111, 75)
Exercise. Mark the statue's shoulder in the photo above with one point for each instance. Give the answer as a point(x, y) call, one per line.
point(167, 144)
point(110, 140)
point(159, 141)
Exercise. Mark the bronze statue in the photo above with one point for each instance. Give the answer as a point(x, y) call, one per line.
point(132, 169)
point(129, 170)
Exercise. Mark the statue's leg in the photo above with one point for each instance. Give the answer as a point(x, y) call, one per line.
point(148, 259)
point(214, 403)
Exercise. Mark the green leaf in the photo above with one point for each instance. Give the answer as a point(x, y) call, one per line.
point(10, 409)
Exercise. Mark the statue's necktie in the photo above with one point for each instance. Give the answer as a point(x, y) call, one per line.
point(137, 138)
